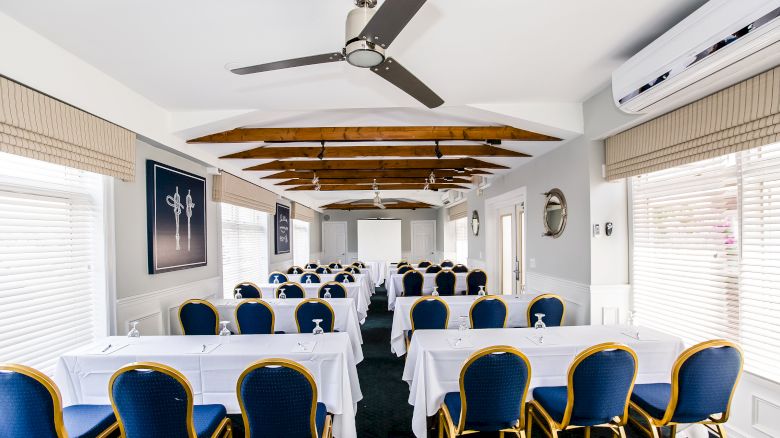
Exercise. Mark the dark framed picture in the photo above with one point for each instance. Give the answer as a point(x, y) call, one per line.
point(175, 218)
point(282, 229)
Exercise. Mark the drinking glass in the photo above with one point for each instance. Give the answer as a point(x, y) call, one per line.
point(134, 335)
point(238, 295)
point(224, 333)
point(481, 291)
point(308, 279)
point(327, 293)
point(317, 329)
point(346, 279)
point(276, 279)
point(435, 291)
point(282, 295)
point(539, 323)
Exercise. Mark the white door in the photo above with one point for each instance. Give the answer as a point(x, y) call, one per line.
point(334, 242)
point(423, 241)
point(511, 226)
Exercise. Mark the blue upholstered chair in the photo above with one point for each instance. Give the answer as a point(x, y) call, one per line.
point(337, 290)
point(445, 282)
point(599, 386)
point(254, 317)
point(295, 270)
point(447, 264)
point(404, 269)
point(311, 265)
point(335, 265)
point(314, 308)
point(341, 276)
point(488, 312)
point(32, 407)
point(359, 264)
point(402, 263)
point(323, 270)
point(423, 264)
point(291, 290)
point(412, 282)
point(278, 398)
point(352, 269)
point(553, 308)
point(428, 313)
point(248, 290)
point(703, 381)
point(432, 269)
point(277, 276)
point(313, 278)
point(460, 268)
point(198, 317)
point(474, 280)
point(493, 388)
point(154, 400)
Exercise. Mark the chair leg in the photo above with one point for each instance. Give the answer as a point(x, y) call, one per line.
point(672, 431)
point(587, 432)
point(441, 424)
point(721, 430)
point(622, 431)
point(529, 422)
point(501, 434)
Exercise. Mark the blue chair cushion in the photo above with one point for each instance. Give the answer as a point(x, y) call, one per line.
point(207, 419)
point(653, 398)
point(87, 421)
point(319, 418)
point(452, 401)
point(552, 399)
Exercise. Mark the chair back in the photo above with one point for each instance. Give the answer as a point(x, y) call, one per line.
point(493, 388)
point(703, 381)
point(281, 277)
point(337, 290)
point(323, 270)
point(255, 317)
point(311, 276)
point(404, 269)
point(412, 282)
point(352, 269)
point(551, 305)
point(423, 264)
point(335, 265)
point(291, 290)
point(314, 308)
point(278, 398)
point(248, 290)
point(488, 312)
point(360, 265)
point(460, 268)
point(311, 265)
point(152, 399)
point(402, 263)
point(474, 280)
point(295, 270)
point(447, 264)
point(432, 269)
point(31, 404)
point(341, 276)
point(601, 379)
point(429, 313)
point(445, 281)
point(198, 317)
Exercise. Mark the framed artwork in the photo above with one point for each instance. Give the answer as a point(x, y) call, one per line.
point(282, 229)
point(175, 218)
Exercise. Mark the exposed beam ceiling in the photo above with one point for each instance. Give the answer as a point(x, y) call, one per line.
point(277, 152)
point(347, 174)
point(373, 133)
point(330, 181)
point(382, 187)
point(388, 206)
point(450, 163)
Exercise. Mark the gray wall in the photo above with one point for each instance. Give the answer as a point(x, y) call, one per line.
point(132, 275)
point(278, 262)
point(406, 216)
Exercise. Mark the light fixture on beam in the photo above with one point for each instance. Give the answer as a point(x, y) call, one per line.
point(432, 178)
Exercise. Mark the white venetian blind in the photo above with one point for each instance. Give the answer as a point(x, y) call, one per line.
point(244, 246)
point(301, 243)
point(52, 282)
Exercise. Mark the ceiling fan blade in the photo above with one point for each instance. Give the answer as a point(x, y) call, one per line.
point(393, 72)
point(390, 20)
point(289, 63)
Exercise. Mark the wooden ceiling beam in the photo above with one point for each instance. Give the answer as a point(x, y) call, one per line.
point(445, 163)
point(330, 181)
point(373, 133)
point(396, 206)
point(429, 151)
point(382, 187)
point(347, 174)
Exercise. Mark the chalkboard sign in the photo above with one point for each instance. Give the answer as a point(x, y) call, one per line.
point(283, 229)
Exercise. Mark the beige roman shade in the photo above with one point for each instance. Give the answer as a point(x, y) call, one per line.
point(458, 211)
point(743, 116)
point(37, 126)
point(302, 213)
point(231, 189)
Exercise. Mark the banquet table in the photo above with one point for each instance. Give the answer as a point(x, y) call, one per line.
point(312, 290)
point(433, 363)
point(392, 270)
point(395, 287)
point(378, 269)
point(284, 318)
point(459, 305)
point(83, 375)
point(364, 280)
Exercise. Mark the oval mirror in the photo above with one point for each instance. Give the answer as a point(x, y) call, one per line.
point(554, 213)
point(475, 223)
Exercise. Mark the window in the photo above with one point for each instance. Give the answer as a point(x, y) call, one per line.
point(462, 240)
point(300, 242)
point(706, 258)
point(244, 247)
point(52, 261)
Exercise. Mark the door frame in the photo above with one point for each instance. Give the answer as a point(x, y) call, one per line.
point(492, 232)
point(343, 224)
point(411, 238)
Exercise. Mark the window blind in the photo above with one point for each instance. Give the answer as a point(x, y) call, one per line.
point(462, 241)
point(52, 286)
point(301, 242)
point(244, 246)
point(458, 211)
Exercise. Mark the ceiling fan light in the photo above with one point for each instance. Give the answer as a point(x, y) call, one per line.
point(363, 54)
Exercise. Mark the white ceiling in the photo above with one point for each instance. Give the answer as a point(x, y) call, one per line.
point(545, 54)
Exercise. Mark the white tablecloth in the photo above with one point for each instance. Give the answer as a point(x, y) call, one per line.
point(433, 366)
point(83, 375)
point(312, 290)
point(378, 270)
point(395, 287)
point(284, 313)
point(364, 280)
point(392, 270)
point(459, 305)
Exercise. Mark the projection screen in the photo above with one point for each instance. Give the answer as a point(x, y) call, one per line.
point(379, 240)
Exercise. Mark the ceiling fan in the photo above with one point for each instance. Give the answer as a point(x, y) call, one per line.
point(369, 32)
point(377, 199)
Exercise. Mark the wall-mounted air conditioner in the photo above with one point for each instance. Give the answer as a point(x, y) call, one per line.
point(722, 43)
point(452, 197)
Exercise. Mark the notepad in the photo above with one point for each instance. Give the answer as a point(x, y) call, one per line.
point(544, 339)
point(304, 347)
point(104, 350)
point(202, 348)
point(459, 343)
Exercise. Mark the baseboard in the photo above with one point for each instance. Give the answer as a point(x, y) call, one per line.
point(577, 295)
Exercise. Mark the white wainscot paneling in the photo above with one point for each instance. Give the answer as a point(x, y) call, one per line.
point(282, 266)
point(609, 304)
point(153, 309)
point(755, 409)
point(477, 264)
point(577, 295)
